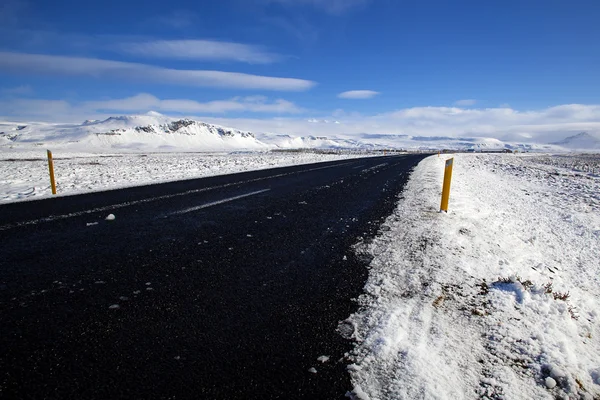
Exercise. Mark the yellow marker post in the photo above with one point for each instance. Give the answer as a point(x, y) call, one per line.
point(51, 170)
point(446, 187)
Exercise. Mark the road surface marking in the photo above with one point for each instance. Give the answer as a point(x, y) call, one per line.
point(111, 207)
point(214, 203)
point(374, 168)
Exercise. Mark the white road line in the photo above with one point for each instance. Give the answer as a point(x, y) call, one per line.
point(214, 203)
point(157, 198)
point(374, 168)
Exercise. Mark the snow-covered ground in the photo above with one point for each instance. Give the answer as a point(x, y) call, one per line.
point(24, 174)
point(499, 298)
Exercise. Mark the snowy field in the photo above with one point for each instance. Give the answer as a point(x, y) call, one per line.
point(24, 174)
point(499, 298)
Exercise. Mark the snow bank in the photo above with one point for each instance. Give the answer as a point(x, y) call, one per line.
point(24, 175)
point(491, 299)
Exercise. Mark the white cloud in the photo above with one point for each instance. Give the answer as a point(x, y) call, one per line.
point(358, 94)
point(22, 90)
point(465, 102)
point(335, 7)
point(201, 50)
point(97, 68)
point(541, 126)
point(144, 102)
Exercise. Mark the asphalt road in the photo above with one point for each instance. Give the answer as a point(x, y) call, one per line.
point(218, 288)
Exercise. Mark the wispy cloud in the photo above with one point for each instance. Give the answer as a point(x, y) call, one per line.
point(297, 27)
point(465, 102)
point(358, 94)
point(536, 126)
point(98, 68)
point(12, 12)
point(335, 7)
point(177, 19)
point(63, 110)
point(22, 90)
point(146, 102)
point(38, 109)
point(211, 50)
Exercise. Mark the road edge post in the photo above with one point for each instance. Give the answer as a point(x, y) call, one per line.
point(446, 186)
point(51, 171)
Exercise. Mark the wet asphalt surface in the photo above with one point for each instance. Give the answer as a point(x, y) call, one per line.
point(216, 300)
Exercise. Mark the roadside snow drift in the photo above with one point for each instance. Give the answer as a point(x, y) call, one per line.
point(498, 299)
point(25, 174)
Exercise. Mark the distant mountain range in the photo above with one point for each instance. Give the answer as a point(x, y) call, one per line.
point(153, 131)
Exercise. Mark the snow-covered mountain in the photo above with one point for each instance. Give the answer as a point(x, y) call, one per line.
point(148, 131)
point(370, 141)
point(317, 142)
point(581, 141)
point(153, 131)
point(434, 143)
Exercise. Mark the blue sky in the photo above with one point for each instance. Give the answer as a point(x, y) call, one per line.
point(293, 65)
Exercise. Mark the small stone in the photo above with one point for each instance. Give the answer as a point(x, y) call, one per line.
point(312, 370)
point(110, 217)
point(114, 307)
point(550, 383)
